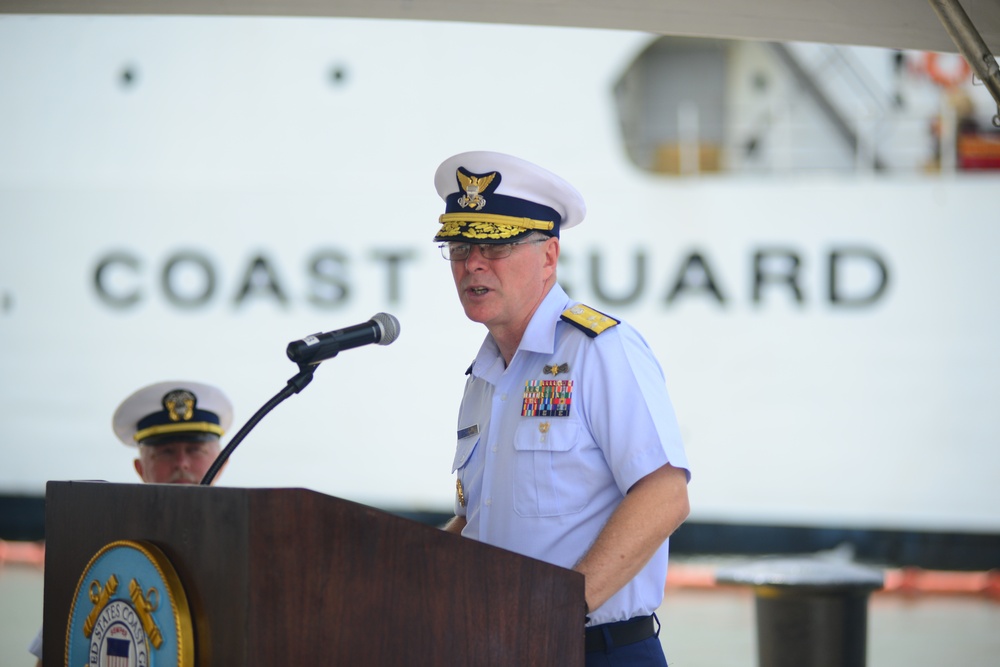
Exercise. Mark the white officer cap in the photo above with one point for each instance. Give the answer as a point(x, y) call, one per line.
point(171, 410)
point(498, 198)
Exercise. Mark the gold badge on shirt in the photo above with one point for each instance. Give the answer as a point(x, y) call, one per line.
point(555, 369)
point(543, 428)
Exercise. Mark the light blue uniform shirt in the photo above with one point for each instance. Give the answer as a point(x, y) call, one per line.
point(544, 485)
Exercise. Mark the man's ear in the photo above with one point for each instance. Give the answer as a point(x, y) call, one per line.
point(137, 464)
point(552, 254)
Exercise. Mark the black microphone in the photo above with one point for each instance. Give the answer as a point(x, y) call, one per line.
point(382, 329)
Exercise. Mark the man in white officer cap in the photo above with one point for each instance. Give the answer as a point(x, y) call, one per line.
point(176, 425)
point(568, 447)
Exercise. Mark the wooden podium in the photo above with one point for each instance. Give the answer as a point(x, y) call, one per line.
point(292, 576)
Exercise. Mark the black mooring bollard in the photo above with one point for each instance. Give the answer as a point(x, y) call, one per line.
point(810, 612)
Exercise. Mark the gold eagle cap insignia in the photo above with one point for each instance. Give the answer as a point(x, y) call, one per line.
point(473, 185)
point(179, 405)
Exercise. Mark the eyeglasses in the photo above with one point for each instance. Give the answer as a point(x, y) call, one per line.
point(172, 451)
point(459, 252)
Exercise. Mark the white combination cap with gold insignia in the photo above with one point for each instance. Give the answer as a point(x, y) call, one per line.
point(168, 411)
point(498, 198)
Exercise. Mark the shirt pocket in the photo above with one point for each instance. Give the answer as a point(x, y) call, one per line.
point(548, 470)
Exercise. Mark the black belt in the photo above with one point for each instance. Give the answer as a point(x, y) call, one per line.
point(621, 633)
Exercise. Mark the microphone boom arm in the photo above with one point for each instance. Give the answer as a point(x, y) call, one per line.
point(381, 329)
point(295, 384)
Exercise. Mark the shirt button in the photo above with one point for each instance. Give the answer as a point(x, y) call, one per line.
point(494, 448)
point(503, 397)
point(488, 502)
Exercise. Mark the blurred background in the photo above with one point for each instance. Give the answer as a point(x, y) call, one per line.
point(803, 232)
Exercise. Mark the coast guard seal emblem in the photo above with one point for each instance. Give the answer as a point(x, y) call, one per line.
point(129, 610)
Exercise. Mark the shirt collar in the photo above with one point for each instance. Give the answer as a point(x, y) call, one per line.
point(540, 336)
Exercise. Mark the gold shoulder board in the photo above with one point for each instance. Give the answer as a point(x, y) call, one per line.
point(588, 320)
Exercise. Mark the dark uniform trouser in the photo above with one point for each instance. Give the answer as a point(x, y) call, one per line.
point(632, 643)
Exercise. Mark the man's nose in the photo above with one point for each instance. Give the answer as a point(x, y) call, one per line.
point(476, 258)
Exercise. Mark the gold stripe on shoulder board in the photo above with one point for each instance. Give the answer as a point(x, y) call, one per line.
point(591, 322)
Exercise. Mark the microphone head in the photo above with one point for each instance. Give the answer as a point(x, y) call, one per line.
point(389, 326)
